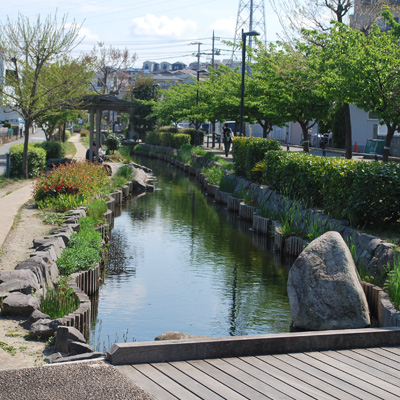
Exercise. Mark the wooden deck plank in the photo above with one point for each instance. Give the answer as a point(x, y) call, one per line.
point(369, 361)
point(364, 367)
point(145, 383)
point(286, 373)
point(204, 389)
point(165, 382)
point(260, 379)
point(383, 388)
point(368, 388)
point(388, 354)
point(333, 383)
point(378, 358)
point(305, 377)
point(395, 350)
point(229, 380)
point(208, 380)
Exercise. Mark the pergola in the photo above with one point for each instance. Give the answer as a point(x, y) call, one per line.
point(96, 104)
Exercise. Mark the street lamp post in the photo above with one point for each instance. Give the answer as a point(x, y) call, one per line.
point(199, 71)
point(244, 38)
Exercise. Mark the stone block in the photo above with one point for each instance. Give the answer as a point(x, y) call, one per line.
point(19, 304)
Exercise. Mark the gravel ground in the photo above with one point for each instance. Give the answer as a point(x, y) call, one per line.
point(84, 380)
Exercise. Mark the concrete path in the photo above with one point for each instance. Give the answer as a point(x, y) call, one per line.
point(11, 203)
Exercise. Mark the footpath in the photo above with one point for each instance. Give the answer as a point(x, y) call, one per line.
point(12, 202)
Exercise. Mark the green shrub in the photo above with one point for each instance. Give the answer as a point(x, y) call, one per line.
point(70, 183)
point(192, 133)
point(153, 138)
point(84, 249)
point(126, 171)
point(214, 175)
point(36, 160)
point(181, 139)
point(249, 151)
point(113, 142)
point(167, 139)
point(362, 192)
point(53, 149)
point(96, 210)
point(171, 129)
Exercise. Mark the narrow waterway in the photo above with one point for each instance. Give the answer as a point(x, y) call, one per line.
point(179, 262)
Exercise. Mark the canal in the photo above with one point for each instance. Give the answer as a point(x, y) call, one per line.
point(180, 262)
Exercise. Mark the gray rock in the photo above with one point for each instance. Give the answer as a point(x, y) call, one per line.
point(38, 267)
point(24, 281)
point(75, 348)
point(49, 254)
point(66, 334)
point(173, 335)
point(44, 328)
point(35, 316)
point(19, 304)
point(324, 288)
point(53, 358)
point(64, 234)
point(56, 242)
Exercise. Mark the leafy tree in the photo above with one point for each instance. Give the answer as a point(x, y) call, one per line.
point(295, 89)
point(42, 77)
point(143, 94)
point(364, 69)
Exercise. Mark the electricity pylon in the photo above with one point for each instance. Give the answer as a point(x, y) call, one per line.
point(251, 17)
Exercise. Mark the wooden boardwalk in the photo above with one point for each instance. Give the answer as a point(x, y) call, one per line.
point(372, 373)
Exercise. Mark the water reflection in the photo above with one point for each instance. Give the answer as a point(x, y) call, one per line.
point(180, 262)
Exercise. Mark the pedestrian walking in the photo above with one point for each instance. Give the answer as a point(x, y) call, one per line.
point(227, 137)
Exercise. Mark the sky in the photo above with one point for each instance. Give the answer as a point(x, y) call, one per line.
point(156, 30)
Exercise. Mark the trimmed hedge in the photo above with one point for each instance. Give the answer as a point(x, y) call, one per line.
point(360, 191)
point(248, 151)
point(171, 129)
point(192, 133)
point(36, 160)
point(167, 139)
point(53, 149)
point(181, 139)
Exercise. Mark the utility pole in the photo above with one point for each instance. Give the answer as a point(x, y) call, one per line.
point(198, 54)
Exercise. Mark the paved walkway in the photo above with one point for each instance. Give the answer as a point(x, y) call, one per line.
point(11, 203)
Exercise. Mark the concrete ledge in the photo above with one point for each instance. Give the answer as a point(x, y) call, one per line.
point(241, 346)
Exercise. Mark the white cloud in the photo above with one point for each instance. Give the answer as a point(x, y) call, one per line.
point(150, 25)
point(224, 27)
point(87, 34)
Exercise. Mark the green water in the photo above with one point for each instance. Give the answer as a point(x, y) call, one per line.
point(179, 262)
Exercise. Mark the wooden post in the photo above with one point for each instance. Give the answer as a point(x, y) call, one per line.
point(98, 131)
point(91, 137)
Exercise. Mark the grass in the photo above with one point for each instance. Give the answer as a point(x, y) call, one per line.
point(70, 149)
point(392, 283)
point(51, 218)
point(9, 349)
point(59, 301)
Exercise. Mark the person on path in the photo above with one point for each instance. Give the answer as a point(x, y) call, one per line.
point(227, 137)
point(101, 153)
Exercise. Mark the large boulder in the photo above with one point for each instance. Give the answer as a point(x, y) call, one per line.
point(44, 328)
point(44, 269)
point(24, 281)
point(19, 304)
point(324, 287)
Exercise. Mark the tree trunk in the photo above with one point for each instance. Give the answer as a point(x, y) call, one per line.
point(306, 142)
point(348, 136)
point(389, 136)
point(28, 124)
